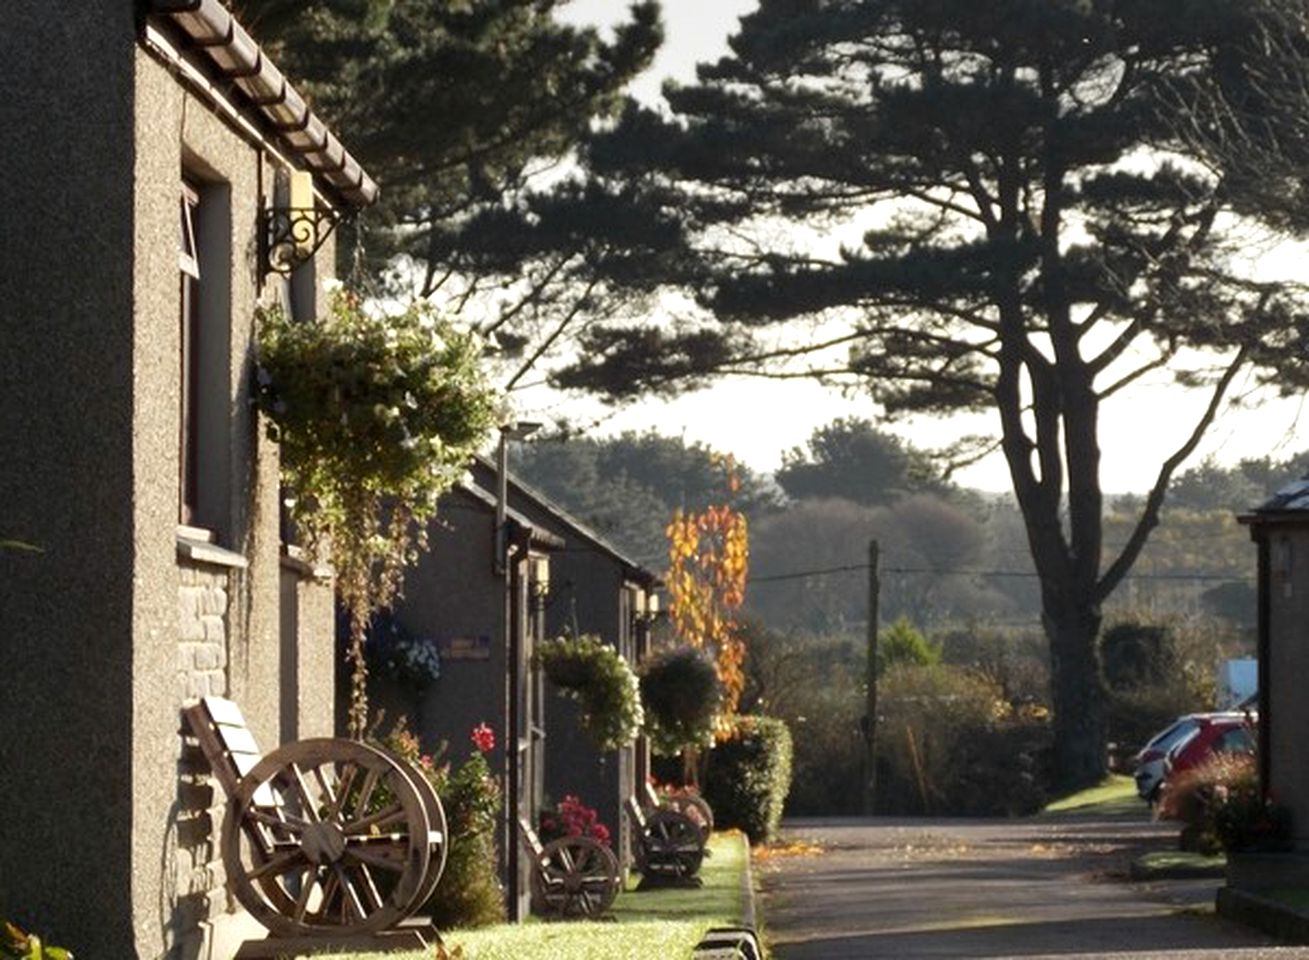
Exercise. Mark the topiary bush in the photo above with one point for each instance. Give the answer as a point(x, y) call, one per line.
point(749, 776)
point(593, 673)
point(681, 695)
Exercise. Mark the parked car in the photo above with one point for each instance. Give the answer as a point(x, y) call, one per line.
point(1220, 734)
point(1151, 759)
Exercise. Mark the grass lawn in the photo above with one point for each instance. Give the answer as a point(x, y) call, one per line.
point(1161, 864)
point(1116, 794)
point(662, 924)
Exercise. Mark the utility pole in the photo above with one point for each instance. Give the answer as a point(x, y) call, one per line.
point(869, 723)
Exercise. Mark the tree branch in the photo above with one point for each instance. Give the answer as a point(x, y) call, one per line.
point(1149, 518)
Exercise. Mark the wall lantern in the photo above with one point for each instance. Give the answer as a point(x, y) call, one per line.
point(292, 234)
point(539, 578)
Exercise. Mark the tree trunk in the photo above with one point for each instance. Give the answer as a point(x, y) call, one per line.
point(1078, 700)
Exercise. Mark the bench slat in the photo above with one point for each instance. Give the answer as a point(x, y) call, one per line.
point(224, 711)
point(238, 740)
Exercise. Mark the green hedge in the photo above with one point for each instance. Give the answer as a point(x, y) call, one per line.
point(749, 776)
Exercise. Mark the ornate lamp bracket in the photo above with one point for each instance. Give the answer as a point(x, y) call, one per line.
point(292, 235)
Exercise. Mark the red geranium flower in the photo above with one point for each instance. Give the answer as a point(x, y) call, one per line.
point(483, 738)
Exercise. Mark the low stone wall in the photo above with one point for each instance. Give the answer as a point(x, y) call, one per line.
point(202, 600)
point(198, 878)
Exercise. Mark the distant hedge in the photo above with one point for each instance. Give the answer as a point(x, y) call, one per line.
point(749, 776)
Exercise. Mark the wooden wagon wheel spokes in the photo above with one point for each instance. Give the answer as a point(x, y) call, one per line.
point(350, 840)
point(438, 838)
point(575, 876)
point(695, 808)
point(673, 844)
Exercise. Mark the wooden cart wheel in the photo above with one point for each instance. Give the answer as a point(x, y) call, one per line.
point(697, 809)
point(327, 836)
point(436, 820)
point(575, 877)
point(672, 845)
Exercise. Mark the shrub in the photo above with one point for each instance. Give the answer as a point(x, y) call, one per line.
point(1001, 770)
point(681, 694)
point(948, 742)
point(593, 673)
point(902, 642)
point(749, 776)
point(1222, 809)
point(468, 894)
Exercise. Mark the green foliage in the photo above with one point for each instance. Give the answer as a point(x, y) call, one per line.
point(604, 685)
point(365, 404)
point(749, 776)
point(903, 643)
point(468, 894)
point(925, 540)
point(376, 416)
point(17, 944)
point(681, 693)
point(947, 742)
point(850, 458)
point(1171, 660)
point(20, 545)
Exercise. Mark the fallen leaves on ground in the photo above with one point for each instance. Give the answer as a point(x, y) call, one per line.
point(795, 848)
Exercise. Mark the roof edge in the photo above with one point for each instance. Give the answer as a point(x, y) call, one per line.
point(214, 36)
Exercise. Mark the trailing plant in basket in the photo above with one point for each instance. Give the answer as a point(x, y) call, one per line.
point(591, 672)
point(681, 694)
point(376, 417)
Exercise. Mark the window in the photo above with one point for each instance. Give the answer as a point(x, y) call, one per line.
point(205, 374)
point(188, 264)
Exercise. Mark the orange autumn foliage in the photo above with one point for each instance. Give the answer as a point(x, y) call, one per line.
point(708, 556)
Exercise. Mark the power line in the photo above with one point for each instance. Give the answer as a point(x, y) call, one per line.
point(970, 572)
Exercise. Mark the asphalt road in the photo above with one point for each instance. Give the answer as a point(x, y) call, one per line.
point(971, 888)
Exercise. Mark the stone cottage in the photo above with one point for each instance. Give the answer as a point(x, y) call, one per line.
point(144, 146)
point(485, 617)
point(594, 589)
point(477, 599)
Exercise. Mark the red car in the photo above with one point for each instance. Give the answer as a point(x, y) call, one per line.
point(1212, 735)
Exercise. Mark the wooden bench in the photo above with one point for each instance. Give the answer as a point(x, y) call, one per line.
point(571, 876)
point(691, 804)
point(325, 841)
point(668, 844)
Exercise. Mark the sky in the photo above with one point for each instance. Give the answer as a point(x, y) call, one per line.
point(758, 420)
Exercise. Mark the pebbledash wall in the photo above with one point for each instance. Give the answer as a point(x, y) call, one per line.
point(119, 616)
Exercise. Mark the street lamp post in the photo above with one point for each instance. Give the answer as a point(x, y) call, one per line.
point(510, 431)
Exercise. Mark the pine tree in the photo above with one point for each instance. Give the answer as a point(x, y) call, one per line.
point(1038, 202)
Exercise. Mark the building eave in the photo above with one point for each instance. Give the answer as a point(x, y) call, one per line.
point(228, 56)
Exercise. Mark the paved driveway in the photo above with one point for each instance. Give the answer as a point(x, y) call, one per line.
point(969, 888)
